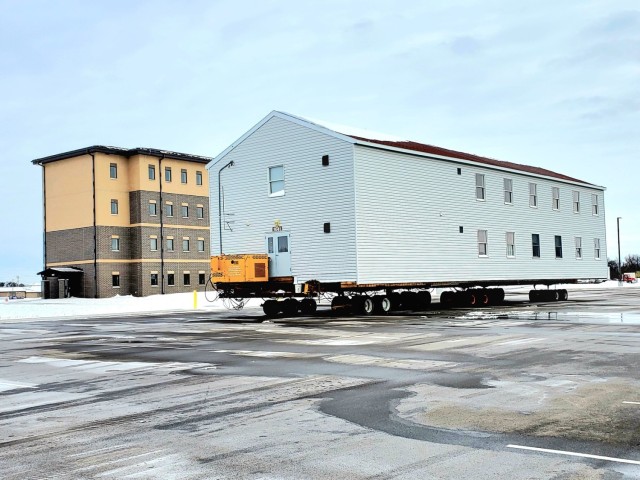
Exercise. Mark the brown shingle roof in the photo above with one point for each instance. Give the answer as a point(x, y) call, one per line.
point(445, 152)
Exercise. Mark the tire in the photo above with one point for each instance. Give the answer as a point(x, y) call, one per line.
point(368, 306)
point(408, 300)
point(534, 295)
point(357, 304)
point(423, 299)
point(485, 299)
point(462, 299)
point(339, 302)
point(381, 304)
point(308, 306)
point(290, 307)
point(473, 299)
point(555, 295)
point(396, 300)
point(446, 298)
point(564, 295)
point(271, 308)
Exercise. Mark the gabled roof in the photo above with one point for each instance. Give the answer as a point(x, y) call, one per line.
point(125, 152)
point(387, 142)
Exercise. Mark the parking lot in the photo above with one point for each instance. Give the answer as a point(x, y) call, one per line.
point(520, 391)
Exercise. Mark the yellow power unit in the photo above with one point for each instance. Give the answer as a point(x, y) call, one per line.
point(240, 268)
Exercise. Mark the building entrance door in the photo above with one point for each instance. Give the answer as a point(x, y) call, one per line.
point(279, 254)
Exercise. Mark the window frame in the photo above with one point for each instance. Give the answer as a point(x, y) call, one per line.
point(595, 206)
point(171, 279)
point(578, 244)
point(115, 280)
point(201, 243)
point(187, 242)
point(199, 212)
point(153, 208)
point(184, 211)
point(153, 241)
point(555, 198)
point(186, 279)
point(202, 278)
point(170, 246)
point(152, 172)
point(533, 195)
point(557, 242)
point(511, 252)
point(271, 182)
point(116, 241)
point(535, 245)
point(481, 193)
point(576, 201)
point(168, 210)
point(508, 191)
point(153, 279)
point(168, 176)
point(596, 249)
point(198, 177)
point(483, 241)
point(114, 202)
point(183, 176)
point(113, 171)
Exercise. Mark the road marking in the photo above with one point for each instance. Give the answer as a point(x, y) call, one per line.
point(575, 454)
point(632, 403)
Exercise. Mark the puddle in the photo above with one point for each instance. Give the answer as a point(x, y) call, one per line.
point(629, 318)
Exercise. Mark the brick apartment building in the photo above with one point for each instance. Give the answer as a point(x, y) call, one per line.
point(128, 221)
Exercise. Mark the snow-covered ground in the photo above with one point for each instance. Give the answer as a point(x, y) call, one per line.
point(175, 302)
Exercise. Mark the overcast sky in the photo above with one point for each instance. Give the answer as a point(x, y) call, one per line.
point(549, 83)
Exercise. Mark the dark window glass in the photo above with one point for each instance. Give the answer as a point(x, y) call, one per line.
point(201, 279)
point(535, 244)
point(283, 244)
point(558, 246)
point(154, 279)
point(186, 280)
point(171, 279)
point(115, 280)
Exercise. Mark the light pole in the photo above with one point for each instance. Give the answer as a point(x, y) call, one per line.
point(230, 164)
point(619, 258)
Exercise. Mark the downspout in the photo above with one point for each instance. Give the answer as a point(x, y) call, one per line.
point(230, 164)
point(160, 173)
point(44, 216)
point(95, 227)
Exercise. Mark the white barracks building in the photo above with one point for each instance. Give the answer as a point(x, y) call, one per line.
point(335, 206)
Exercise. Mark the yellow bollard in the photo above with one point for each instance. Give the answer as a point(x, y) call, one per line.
point(195, 299)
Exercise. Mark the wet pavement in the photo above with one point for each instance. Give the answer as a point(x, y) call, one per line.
point(435, 394)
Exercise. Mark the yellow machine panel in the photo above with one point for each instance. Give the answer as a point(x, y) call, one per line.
point(240, 268)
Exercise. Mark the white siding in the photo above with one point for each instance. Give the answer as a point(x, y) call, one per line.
point(314, 194)
point(409, 210)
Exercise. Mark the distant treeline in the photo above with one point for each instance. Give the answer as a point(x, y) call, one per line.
point(11, 284)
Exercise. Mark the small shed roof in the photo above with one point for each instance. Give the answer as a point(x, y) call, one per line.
point(57, 271)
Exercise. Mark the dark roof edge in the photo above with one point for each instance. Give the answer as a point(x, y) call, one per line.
point(411, 147)
point(125, 152)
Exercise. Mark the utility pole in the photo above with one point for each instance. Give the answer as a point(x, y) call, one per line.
point(619, 258)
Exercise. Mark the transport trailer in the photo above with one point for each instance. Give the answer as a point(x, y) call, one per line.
point(247, 276)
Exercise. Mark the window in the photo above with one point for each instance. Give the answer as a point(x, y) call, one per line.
point(511, 244)
point(325, 160)
point(533, 195)
point(198, 178)
point(276, 181)
point(558, 243)
point(535, 245)
point(114, 207)
point(576, 202)
point(170, 245)
point(283, 244)
point(113, 170)
point(185, 211)
point(153, 208)
point(115, 244)
point(479, 186)
point(200, 211)
point(270, 245)
point(153, 244)
point(201, 278)
point(596, 248)
point(168, 209)
point(201, 244)
point(171, 279)
point(594, 204)
point(578, 247)
point(167, 174)
point(459, 171)
point(152, 172)
point(154, 279)
point(555, 198)
point(186, 278)
point(115, 279)
point(508, 190)
point(482, 243)
point(183, 176)
point(185, 244)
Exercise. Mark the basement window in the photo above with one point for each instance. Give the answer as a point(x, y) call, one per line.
point(115, 280)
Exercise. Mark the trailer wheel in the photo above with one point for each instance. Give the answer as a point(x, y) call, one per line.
point(339, 302)
point(423, 299)
point(446, 298)
point(555, 295)
point(499, 296)
point(290, 307)
point(381, 304)
point(271, 308)
point(564, 295)
point(484, 298)
point(368, 306)
point(463, 299)
point(408, 300)
point(396, 300)
point(308, 306)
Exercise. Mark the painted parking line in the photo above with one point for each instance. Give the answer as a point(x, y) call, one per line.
point(575, 454)
point(632, 403)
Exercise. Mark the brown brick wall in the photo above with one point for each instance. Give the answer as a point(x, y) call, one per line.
point(70, 245)
point(139, 204)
